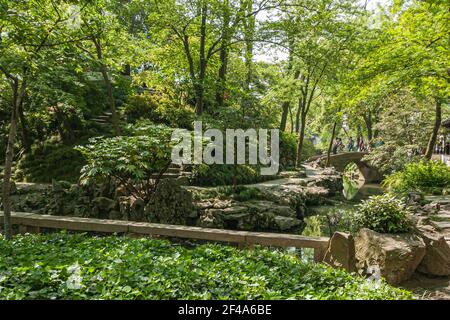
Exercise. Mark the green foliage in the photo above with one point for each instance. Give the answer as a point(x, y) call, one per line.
point(288, 149)
point(404, 127)
point(224, 174)
point(63, 266)
point(159, 109)
point(50, 161)
point(384, 214)
point(129, 159)
point(427, 177)
point(392, 157)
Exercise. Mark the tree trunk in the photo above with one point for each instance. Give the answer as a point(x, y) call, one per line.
point(284, 115)
point(301, 137)
point(297, 115)
point(330, 146)
point(249, 31)
point(199, 103)
point(291, 119)
point(6, 194)
point(434, 134)
point(24, 129)
point(368, 122)
point(220, 91)
point(112, 101)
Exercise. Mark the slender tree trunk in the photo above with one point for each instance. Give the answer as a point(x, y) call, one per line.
point(284, 115)
point(297, 115)
point(330, 146)
point(200, 90)
point(301, 137)
point(6, 194)
point(291, 119)
point(24, 130)
point(434, 134)
point(376, 132)
point(112, 101)
point(368, 122)
point(220, 92)
point(249, 32)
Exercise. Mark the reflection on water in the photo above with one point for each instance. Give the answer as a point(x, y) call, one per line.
point(357, 190)
point(326, 219)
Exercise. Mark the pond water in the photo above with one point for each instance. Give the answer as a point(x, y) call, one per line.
point(357, 190)
point(326, 219)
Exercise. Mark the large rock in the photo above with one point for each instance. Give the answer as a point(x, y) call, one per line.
point(170, 204)
point(436, 261)
point(104, 203)
point(211, 218)
point(341, 252)
point(397, 256)
point(285, 223)
point(247, 215)
point(101, 206)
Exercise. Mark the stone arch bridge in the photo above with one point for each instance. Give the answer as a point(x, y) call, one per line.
point(341, 160)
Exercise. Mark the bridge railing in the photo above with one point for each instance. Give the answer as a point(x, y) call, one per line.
point(31, 223)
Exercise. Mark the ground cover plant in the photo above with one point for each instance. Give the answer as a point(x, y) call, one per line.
point(77, 266)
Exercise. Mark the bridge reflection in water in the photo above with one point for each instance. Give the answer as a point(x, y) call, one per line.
point(341, 160)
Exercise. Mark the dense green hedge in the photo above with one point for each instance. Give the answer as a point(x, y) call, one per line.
point(62, 266)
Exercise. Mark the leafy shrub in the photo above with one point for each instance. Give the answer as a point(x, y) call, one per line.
point(159, 109)
point(50, 161)
point(131, 160)
point(224, 174)
point(425, 176)
point(62, 266)
point(384, 214)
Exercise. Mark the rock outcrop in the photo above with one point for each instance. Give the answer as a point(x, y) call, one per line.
point(341, 252)
point(436, 261)
point(397, 256)
point(170, 204)
point(276, 205)
point(247, 215)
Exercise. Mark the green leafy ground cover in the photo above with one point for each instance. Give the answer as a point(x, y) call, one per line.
point(65, 266)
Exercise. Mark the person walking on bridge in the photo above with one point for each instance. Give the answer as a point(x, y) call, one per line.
point(337, 144)
point(360, 144)
point(350, 144)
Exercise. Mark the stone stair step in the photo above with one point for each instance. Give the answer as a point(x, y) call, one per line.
point(100, 120)
point(441, 225)
point(166, 175)
point(440, 217)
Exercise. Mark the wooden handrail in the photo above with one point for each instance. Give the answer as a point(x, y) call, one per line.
point(31, 222)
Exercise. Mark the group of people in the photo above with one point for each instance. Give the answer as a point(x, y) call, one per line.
point(442, 148)
point(352, 146)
